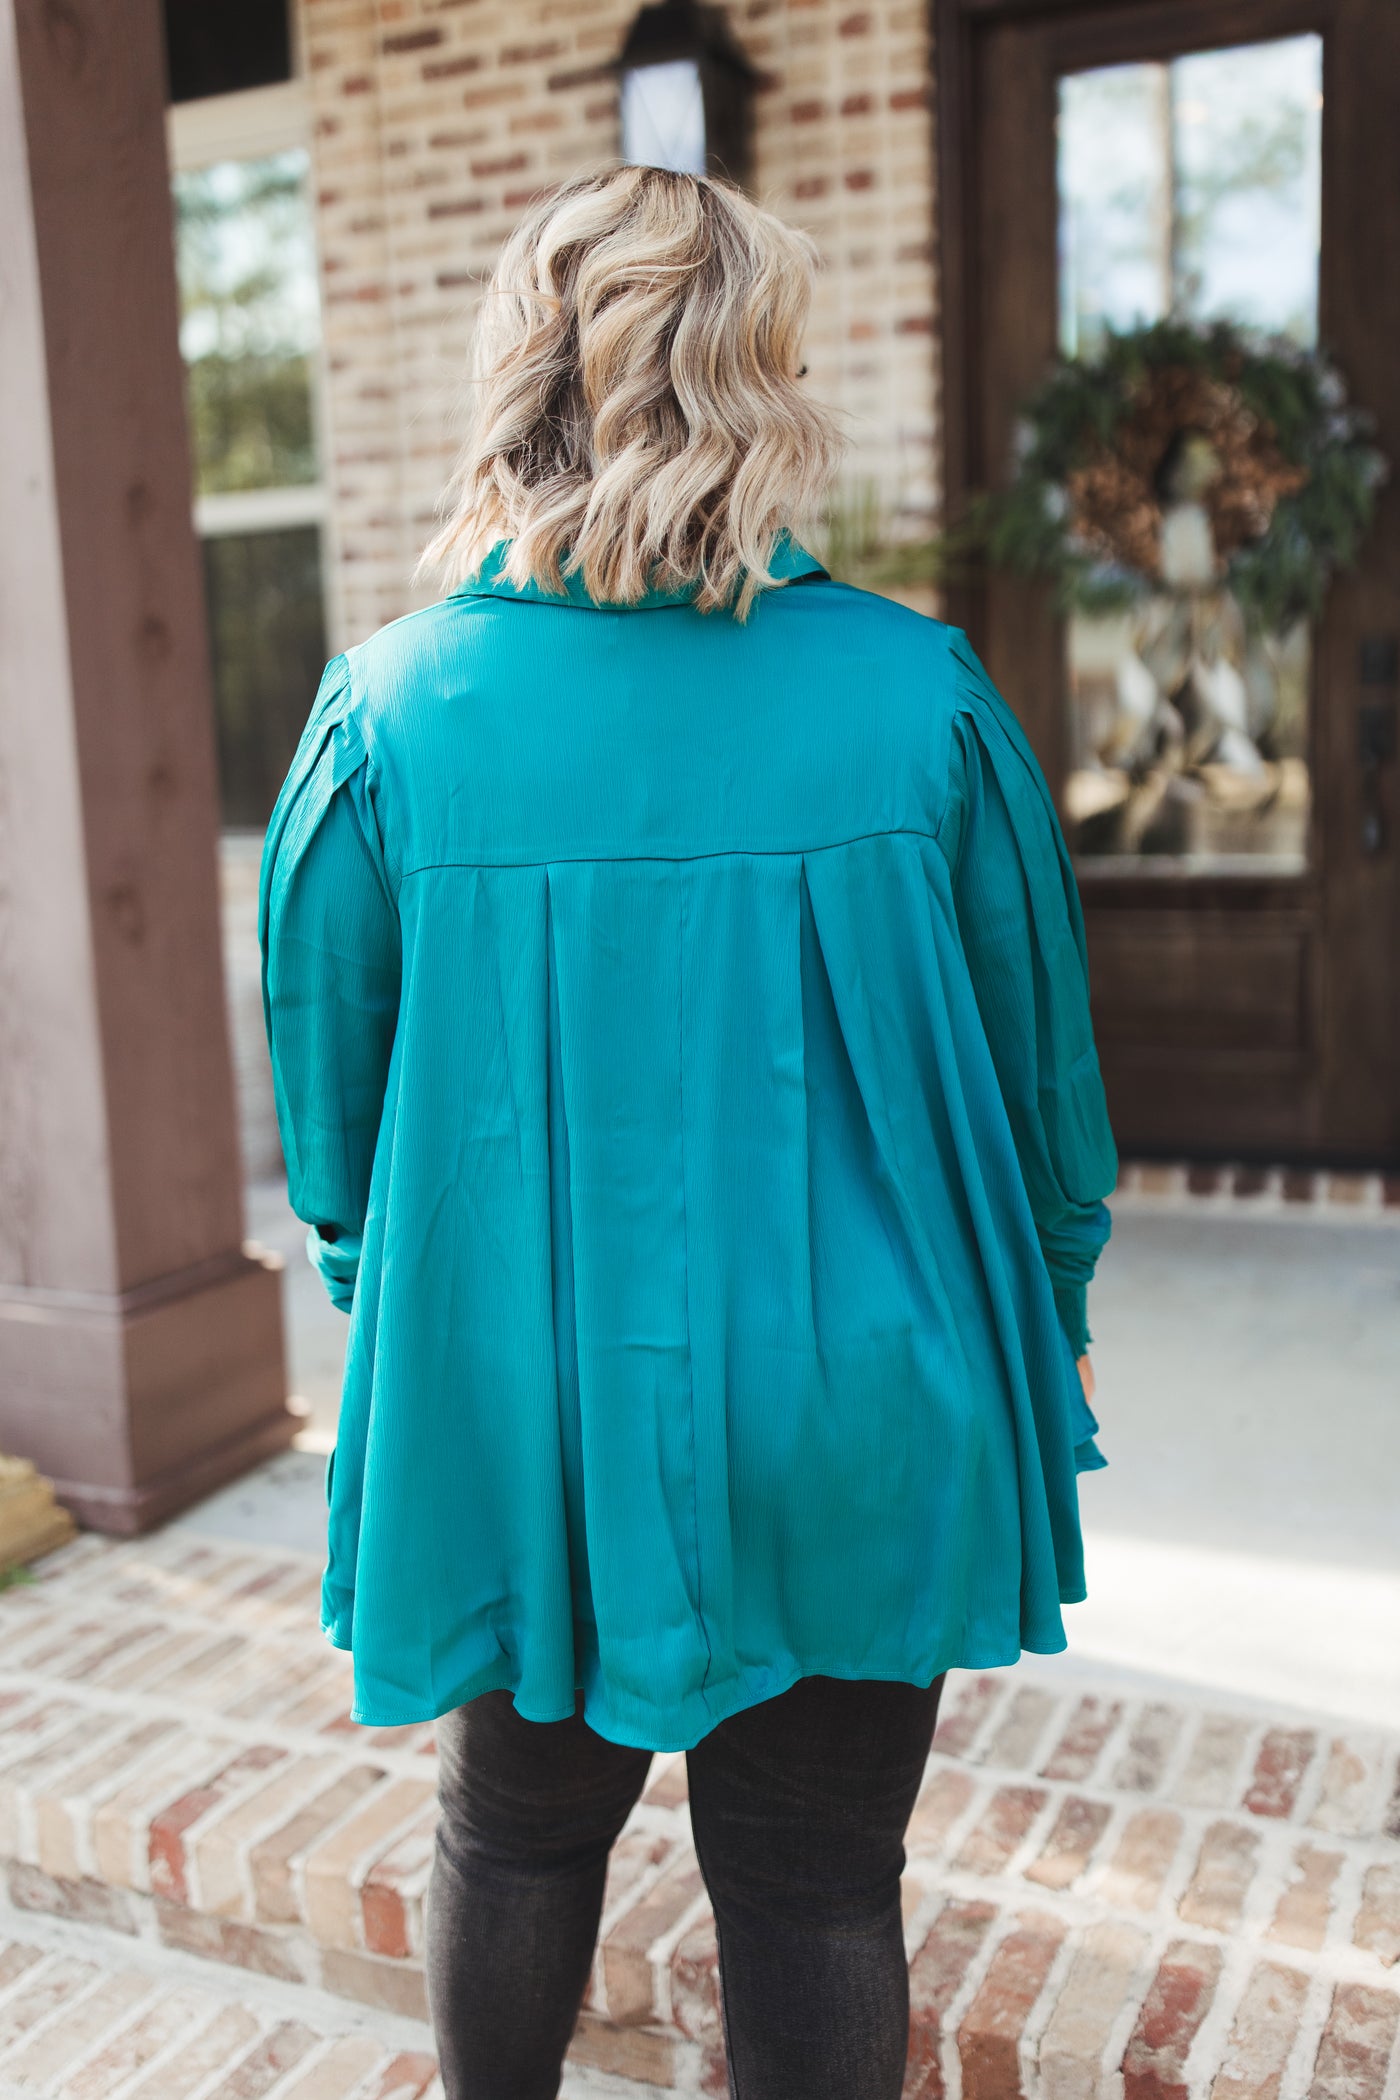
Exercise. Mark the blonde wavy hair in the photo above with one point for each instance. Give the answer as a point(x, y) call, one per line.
point(636, 415)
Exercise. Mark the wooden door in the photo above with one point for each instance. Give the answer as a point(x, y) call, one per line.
point(1246, 1007)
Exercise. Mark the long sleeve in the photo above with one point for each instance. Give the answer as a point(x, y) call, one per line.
point(329, 931)
point(1023, 936)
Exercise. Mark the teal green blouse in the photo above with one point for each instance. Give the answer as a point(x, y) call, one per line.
point(682, 1052)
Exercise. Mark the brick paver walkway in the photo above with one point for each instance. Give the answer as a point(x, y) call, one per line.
point(1106, 1894)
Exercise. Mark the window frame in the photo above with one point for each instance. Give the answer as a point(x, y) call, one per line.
point(254, 124)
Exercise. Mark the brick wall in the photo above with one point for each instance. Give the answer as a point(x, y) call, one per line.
point(435, 121)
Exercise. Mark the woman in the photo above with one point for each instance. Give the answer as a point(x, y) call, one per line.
point(676, 992)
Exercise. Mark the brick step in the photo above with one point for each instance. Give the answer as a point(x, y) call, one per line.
point(90, 2016)
point(1175, 1896)
point(1260, 1191)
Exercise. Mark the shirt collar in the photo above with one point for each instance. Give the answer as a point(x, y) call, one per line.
point(788, 560)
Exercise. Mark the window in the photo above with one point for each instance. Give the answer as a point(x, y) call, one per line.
point(1190, 188)
point(250, 334)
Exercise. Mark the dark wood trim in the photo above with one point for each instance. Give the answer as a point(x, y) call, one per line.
point(1122, 891)
point(1230, 21)
point(953, 256)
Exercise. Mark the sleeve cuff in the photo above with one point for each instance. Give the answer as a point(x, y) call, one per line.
point(1071, 1305)
point(338, 1261)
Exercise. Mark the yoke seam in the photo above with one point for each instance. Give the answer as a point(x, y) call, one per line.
point(557, 860)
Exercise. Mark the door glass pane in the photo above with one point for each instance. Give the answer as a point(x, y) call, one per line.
point(1189, 188)
point(268, 640)
point(249, 321)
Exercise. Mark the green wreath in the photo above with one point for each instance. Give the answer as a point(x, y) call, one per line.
point(1255, 433)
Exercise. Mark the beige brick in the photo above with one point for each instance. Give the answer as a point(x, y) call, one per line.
point(44, 1986)
point(1378, 1920)
point(161, 2021)
point(15, 1960)
point(1070, 1845)
point(260, 1948)
point(627, 1972)
point(275, 2053)
point(944, 1796)
point(170, 1825)
point(219, 1864)
point(667, 1786)
point(90, 2021)
point(1224, 1869)
point(1002, 1827)
point(695, 2002)
point(1356, 2044)
point(121, 1823)
point(157, 1661)
point(46, 1766)
point(1151, 1740)
point(110, 1656)
point(1142, 1859)
point(1262, 2036)
point(1301, 1914)
point(1091, 1999)
point(339, 2072)
point(273, 1859)
point(392, 1986)
point(407, 2076)
point(1081, 1744)
point(63, 1816)
point(192, 1673)
point(936, 1975)
point(1013, 1743)
point(1279, 1771)
point(1348, 1787)
point(641, 2053)
point(1208, 1777)
point(85, 1900)
point(391, 1894)
point(329, 1870)
point(632, 1858)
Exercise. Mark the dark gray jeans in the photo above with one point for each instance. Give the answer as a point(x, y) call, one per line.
point(799, 1807)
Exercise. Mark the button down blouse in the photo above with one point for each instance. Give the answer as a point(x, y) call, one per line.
point(682, 1053)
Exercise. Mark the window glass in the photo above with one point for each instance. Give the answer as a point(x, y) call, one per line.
point(1189, 188)
point(268, 640)
point(249, 321)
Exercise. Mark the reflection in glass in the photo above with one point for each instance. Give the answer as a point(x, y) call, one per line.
point(267, 635)
point(249, 321)
point(1192, 189)
point(1188, 738)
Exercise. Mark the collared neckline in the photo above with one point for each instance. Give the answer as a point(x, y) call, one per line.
point(789, 560)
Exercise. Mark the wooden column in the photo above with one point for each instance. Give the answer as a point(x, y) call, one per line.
point(141, 1353)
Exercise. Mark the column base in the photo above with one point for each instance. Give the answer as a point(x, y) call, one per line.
point(137, 1404)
